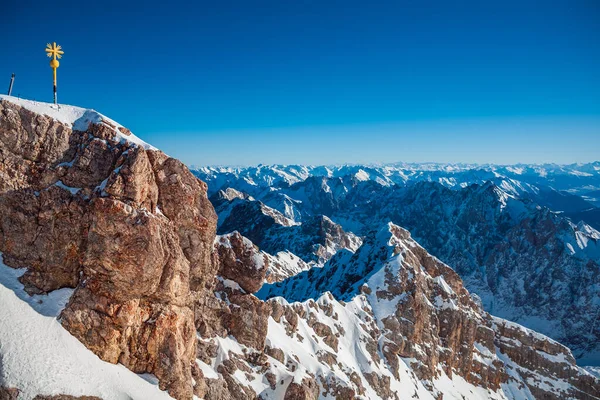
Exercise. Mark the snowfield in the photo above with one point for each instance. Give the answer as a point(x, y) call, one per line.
point(38, 356)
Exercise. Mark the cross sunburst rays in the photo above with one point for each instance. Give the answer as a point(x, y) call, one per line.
point(53, 50)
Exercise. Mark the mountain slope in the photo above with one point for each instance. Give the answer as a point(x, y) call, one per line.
point(121, 240)
point(527, 262)
point(422, 319)
point(314, 241)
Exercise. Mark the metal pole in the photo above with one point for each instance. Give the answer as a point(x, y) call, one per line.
point(12, 79)
point(54, 51)
point(54, 70)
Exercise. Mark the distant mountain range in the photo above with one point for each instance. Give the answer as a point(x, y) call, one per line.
point(580, 177)
point(522, 237)
point(573, 189)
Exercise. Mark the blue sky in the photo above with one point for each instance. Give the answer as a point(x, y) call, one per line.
point(322, 82)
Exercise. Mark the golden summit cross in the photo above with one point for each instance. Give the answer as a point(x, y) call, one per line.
point(55, 51)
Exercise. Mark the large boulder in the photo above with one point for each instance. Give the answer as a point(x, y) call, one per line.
point(241, 261)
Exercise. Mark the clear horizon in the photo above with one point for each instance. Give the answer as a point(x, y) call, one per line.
point(325, 83)
point(196, 166)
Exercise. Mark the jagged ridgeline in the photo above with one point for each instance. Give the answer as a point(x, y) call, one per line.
point(109, 247)
point(528, 250)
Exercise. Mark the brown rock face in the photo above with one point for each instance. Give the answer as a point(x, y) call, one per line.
point(130, 228)
point(241, 262)
point(8, 393)
point(242, 269)
point(307, 390)
point(247, 321)
point(527, 351)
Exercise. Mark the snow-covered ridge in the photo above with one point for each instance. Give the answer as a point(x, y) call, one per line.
point(369, 297)
point(580, 178)
point(77, 118)
point(532, 228)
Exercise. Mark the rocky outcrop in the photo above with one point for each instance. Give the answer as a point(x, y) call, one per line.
point(314, 241)
point(420, 316)
point(307, 390)
point(128, 227)
point(7, 393)
point(536, 358)
point(242, 271)
point(241, 262)
point(233, 311)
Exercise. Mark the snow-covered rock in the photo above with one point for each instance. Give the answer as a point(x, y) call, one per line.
point(397, 323)
point(512, 238)
point(315, 240)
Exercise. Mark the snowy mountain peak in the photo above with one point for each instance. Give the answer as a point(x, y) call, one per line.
point(77, 118)
point(346, 273)
point(405, 313)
